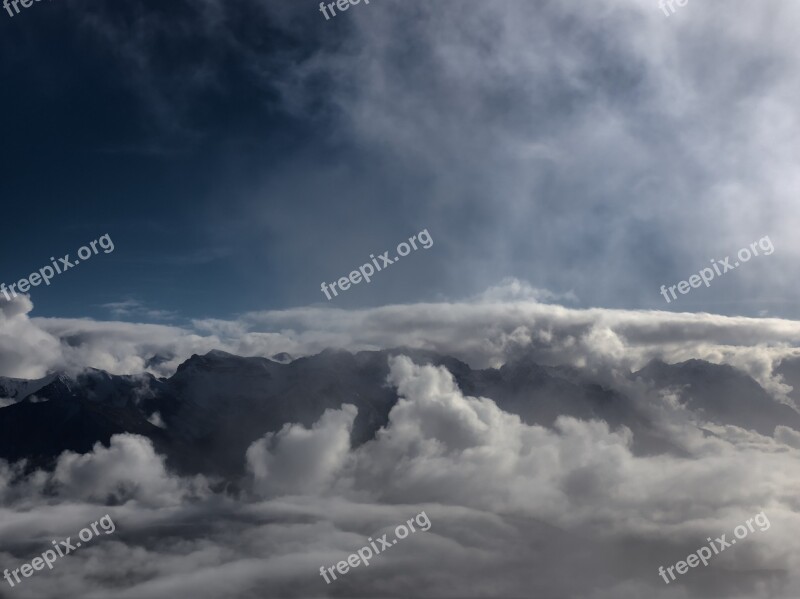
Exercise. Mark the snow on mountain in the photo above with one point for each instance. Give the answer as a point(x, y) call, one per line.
point(13, 390)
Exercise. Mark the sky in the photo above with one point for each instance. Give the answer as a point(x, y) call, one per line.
point(564, 160)
point(240, 153)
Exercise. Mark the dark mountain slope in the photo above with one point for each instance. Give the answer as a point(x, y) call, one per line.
point(216, 405)
point(39, 431)
point(722, 394)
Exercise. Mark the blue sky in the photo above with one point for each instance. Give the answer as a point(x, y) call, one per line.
point(240, 153)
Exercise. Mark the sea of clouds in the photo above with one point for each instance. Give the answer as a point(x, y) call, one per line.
point(518, 510)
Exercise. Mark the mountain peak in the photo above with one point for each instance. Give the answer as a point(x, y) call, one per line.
point(219, 354)
point(198, 362)
point(282, 357)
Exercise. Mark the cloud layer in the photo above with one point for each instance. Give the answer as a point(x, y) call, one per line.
point(515, 509)
point(485, 331)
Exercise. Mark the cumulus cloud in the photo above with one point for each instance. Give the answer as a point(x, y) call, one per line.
point(296, 460)
point(581, 478)
point(440, 445)
point(515, 508)
point(128, 469)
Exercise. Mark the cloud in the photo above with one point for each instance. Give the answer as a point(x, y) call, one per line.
point(514, 290)
point(482, 331)
point(296, 460)
point(443, 446)
point(618, 157)
point(515, 509)
point(131, 308)
point(129, 469)
point(614, 166)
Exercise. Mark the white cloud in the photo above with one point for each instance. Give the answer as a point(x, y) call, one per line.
point(296, 460)
point(131, 308)
point(129, 469)
point(483, 332)
point(515, 508)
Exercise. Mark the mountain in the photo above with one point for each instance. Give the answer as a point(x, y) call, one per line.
point(216, 405)
point(40, 430)
point(721, 394)
point(12, 390)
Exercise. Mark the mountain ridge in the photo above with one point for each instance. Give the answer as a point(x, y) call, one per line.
point(215, 405)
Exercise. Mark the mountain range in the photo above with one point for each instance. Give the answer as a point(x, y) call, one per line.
point(205, 416)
